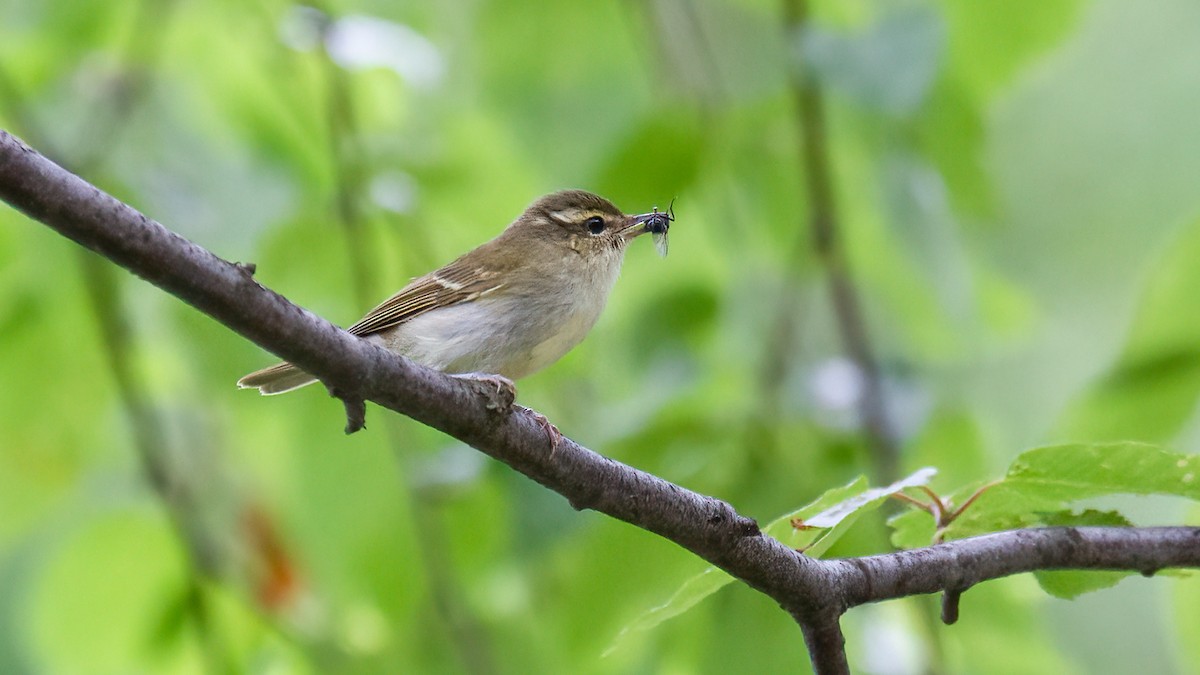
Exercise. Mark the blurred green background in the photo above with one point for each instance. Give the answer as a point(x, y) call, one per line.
point(1016, 184)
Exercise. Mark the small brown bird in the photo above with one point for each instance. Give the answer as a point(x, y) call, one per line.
point(510, 307)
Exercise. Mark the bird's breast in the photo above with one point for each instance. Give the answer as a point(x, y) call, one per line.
point(513, 332)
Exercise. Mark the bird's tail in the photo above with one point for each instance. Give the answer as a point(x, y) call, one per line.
point(277, 379)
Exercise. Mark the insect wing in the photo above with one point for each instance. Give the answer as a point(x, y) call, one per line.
point(660, 242)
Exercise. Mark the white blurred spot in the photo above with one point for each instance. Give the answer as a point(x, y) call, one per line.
point(360, 42)
point(835, 389)
point(889, 646)
point(395, 191)
point(837, 385)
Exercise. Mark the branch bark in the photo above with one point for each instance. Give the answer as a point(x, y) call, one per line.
point(958, 565)
point(815, 592)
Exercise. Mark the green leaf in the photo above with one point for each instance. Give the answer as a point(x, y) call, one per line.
point(1078, 471)
point(831, 515)
point(1069, 584)
point(838, 511)
point(1090, 517)
point(992, 40)
point(1043, 481)
point(835, 514)
point(689, 595)
point(1152, 390)
point(781, 527)
point(1039, 485)
point(913, 528)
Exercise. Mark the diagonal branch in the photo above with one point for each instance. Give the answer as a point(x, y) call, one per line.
point(461, 408)
point(814, 592)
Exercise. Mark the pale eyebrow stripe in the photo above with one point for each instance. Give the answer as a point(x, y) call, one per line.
point(565, 216)
point(575, 215)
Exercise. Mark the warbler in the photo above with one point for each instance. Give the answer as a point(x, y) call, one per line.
point(510, 307)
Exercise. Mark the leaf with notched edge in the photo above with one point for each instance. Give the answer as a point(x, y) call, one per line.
point(826, 519)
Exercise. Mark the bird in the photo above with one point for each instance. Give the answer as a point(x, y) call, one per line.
point(509, 307)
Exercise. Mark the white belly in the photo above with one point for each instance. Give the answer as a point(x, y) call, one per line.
point(503, 334)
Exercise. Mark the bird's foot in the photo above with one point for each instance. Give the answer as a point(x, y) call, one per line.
point(553, 435)
point(499, 390)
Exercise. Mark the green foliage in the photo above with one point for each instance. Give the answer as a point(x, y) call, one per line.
point(1042, 485)
point(1152, 389)
point(1069, 584)
point(813, 529)
point(81, 578)
point(1018, 205)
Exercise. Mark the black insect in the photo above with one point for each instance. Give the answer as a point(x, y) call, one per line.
point(658, 224)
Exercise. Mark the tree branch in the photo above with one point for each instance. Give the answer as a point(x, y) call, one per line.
point(814, 592)
point(461, 408)
point(825, 642)
point(960, 564)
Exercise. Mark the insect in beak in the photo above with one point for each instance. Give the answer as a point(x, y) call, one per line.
point(657, 223)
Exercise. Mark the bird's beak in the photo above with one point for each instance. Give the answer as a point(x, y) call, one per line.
point(655, 221)
point(634, 227)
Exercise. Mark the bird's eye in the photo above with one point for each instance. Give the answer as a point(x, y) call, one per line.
point(595, 224)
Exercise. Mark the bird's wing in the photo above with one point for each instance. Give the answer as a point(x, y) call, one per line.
point(460, 281)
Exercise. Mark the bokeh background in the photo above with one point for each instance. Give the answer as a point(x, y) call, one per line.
point(1015, 186)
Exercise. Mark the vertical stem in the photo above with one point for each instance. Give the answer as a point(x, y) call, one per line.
point(826, 644)
point(150, 442)
point(103, 288)
point(827, 243)
point(467, 634)
point(349, 161)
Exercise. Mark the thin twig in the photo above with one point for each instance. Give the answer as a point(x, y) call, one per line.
point(352, 169)
point(912, 501)
point(950, 598)
point(349, 159)
point(102, 287)
point(827, 243)
point(826, 644)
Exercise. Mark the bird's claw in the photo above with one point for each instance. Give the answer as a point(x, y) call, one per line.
point(553, 435)
point(499, 390)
